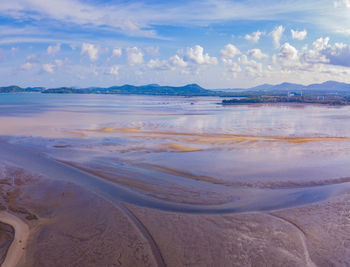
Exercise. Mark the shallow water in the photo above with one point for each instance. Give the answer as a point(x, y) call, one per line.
point(189, 150)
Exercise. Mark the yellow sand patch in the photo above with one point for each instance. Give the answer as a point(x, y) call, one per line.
point(78, 134)
point(181, 148)
point(313, 139)
point(128, 130)
point(111, 130)
point(208, 138)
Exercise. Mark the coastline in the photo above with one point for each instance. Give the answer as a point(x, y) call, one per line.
point(18, 245)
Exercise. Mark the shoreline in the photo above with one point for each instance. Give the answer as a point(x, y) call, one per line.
point(18, 245)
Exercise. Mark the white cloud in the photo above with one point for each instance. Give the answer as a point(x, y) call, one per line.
point(52, 50)
point(256, 53)
point(288, 52)
point(277, 35)
point(230, 51)
point(158, 64)
point(252, 67)
point(176, 61)
point(59, 62)
point(90, 49)
point(121, 14)
point(315, 55)
point(195, 55)
point(232, 66)
point(114, 70)
point(289, 57)
point(337, 54)
point(134, 55)
point(50, 68)
point(171, 64)
point(299, 35)
point(342, 3)
point(254, 37)
point(274, 59)
point(27, 66)
point(117, 52)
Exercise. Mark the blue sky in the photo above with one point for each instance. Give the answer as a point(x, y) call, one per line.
point(215, 43)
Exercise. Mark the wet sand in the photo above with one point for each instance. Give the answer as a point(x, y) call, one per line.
point(134, 181)
point(7, 234)
point(311, 235)
point(75, 227)
point(19, 242)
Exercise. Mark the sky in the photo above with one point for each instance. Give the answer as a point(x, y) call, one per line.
point(214, 43)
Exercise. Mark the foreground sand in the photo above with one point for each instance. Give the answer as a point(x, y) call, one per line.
point(18, 245)
point(312, 235)
point(70, 226)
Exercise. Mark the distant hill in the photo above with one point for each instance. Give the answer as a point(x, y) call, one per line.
point(329, 87)
point(326, 86)
point(279, 87)
point(17, 89)
point(151, 89)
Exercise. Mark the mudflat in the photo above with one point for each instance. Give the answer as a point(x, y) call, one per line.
point(173, 184)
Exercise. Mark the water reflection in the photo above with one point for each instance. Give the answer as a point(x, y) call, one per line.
point(185, 138)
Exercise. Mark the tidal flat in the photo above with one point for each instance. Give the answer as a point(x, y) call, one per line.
point(118, 180)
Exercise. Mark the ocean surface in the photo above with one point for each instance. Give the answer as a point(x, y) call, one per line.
point(189, 151)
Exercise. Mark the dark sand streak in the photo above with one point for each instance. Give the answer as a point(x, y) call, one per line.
point(40, 163)
point(303, 237)
point(147, 235)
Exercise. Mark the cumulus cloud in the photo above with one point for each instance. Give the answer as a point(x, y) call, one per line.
point(117, 52)
point(342, 3)
point(252, 67)
point(230, 51)
point(231, 66)
point(50, 68)
point(171, 64)
point(52, 50)
point(254, 37)
point(289, 56)
point(158, 64)
point(288, 52)
point(90, 49)
point(299, 35)
point(59, 62)
point(316, 55)
point(277, 35)
point(176, 61)
point(27, 66)
point(337, 54)
point(196, 55)
point(256, 53)
point(114, 70)
point(134, 55)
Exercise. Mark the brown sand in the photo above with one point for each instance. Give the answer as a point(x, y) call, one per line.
point(73, 227)
point(310, 235)
point(213, 138)
point(166, 191)
point(19, 243)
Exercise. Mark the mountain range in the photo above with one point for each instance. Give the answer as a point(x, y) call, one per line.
point(188, 90)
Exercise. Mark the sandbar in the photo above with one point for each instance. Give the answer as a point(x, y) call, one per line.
point(18, 245)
